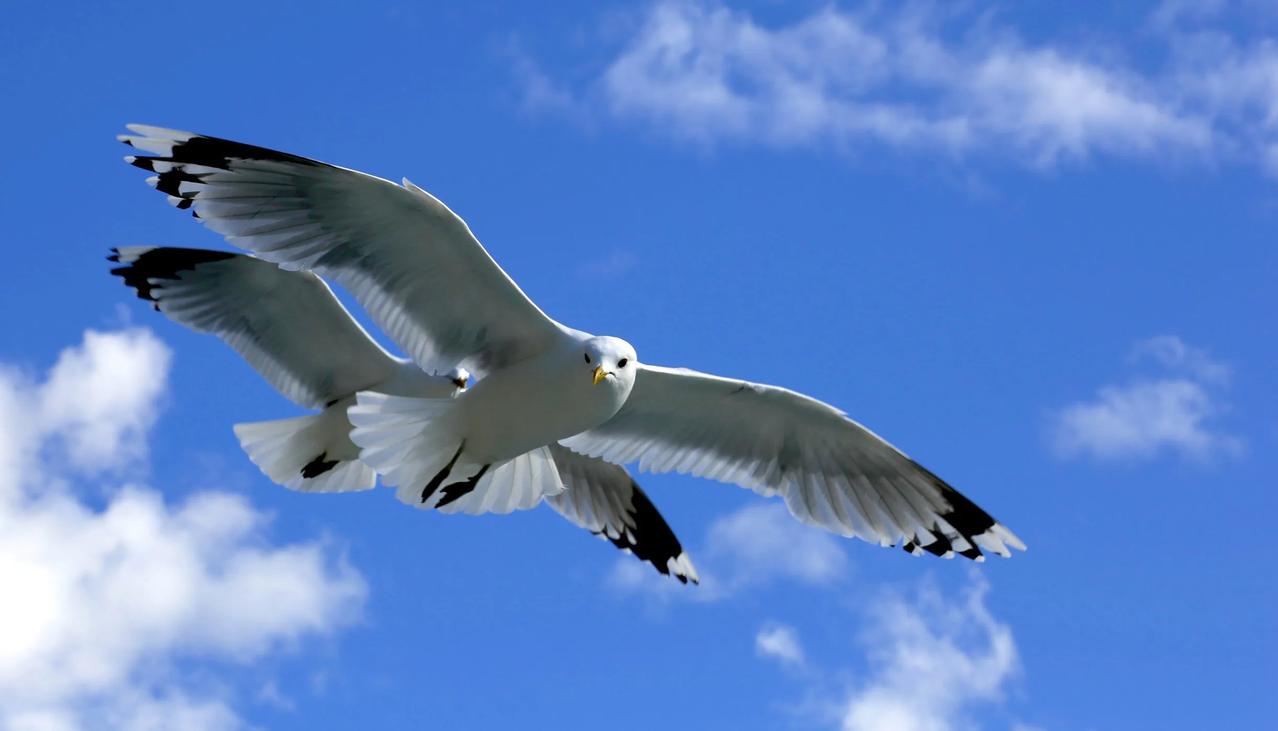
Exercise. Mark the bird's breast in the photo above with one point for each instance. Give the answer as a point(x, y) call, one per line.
point(531, 405)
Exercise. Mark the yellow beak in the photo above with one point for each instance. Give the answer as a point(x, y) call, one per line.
point(600, 374)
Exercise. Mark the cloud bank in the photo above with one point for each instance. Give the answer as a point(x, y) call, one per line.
point(931, 79)
point(107, 608)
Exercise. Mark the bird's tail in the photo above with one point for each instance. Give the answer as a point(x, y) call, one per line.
point(308, 453)
point(413, 444)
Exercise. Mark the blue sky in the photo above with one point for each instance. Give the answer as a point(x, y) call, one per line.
point(1030, 245)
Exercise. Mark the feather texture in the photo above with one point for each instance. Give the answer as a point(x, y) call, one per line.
point(831, 471)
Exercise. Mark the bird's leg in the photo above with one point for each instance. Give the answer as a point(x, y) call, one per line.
point(433, 485)
point(458, 489)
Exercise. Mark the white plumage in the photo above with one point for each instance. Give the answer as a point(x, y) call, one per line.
point(425, 279)
point(292, 329)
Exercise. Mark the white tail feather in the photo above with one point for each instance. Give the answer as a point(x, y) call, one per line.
point(516, 484)
point(406, 440)
point(308, 453)
point(410, 440)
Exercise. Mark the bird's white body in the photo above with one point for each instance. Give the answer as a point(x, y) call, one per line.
point(493, 441)
point(536, 402)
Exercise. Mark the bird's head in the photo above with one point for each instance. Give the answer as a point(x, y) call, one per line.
point(610, 359)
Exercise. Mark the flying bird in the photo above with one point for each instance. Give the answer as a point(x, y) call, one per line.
point(422, 276)
point(294, 332)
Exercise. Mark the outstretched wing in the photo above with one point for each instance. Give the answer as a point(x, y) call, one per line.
point(288, 325)
point(412, 263)
point(602, 498)
point(831, 471)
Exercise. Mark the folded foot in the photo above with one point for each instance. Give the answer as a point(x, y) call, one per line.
point(439, 476)
point(458, 490)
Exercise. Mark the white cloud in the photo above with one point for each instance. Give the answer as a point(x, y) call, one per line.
point(1138, 420)
point(754, 546)
point(930, 662)
point(939, 80)
point(762, 542)
point(103, 605)
point(100, 399)
point(1175, 355)
point(612, 265)
point(925, 662)
point(1148, 416)
point(780, 642)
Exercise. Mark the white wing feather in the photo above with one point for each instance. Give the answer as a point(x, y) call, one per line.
point(288, 325)
point(831, 471)
point(411, 262)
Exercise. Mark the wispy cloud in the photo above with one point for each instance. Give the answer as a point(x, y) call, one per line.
point(1176, 356)
point(930, 662)
point(924, 661)
point(1173, 412)
point(103, 604)
point(612, 265)
point(755, 546)
point(781, 643)
point(927, 659)
point(918, 78)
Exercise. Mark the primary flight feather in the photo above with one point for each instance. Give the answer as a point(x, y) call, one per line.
point(425, 279)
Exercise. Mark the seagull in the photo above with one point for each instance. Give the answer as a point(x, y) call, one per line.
point(424, 278)
point(295, 332)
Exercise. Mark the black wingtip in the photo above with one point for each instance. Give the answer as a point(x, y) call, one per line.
point(656, 542)
point(162, 263)
point(965, 517)
point(940, 546)
point(215, 152)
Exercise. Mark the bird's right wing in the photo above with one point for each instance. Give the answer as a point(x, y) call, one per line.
point(602, 498)
point(288, 325)
point(832, 472)
point(411, 262)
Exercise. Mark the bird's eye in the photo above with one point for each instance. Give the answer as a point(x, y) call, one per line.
point(587, 357)
point(622, 363)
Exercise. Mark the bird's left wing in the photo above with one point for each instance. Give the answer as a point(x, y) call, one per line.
point(831, 471)
point(288, 325)
point(411, 263)
point(602, 498)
